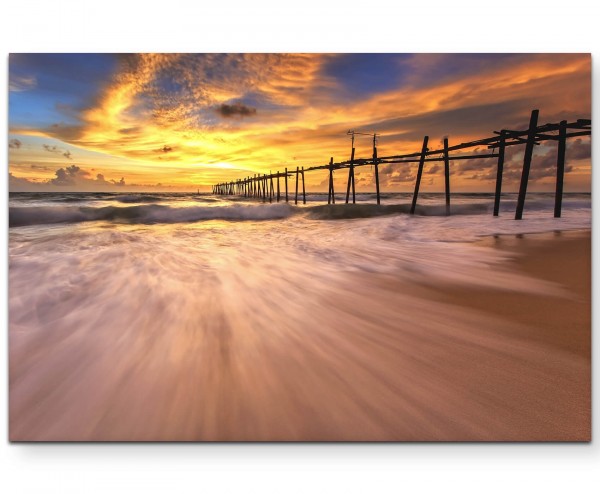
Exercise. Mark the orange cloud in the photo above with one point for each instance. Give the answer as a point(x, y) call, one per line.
point(176, 134)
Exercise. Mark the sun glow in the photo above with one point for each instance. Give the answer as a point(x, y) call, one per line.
point(186, 121)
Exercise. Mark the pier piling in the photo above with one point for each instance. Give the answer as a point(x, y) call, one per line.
point(376, 164)
point(331, 192)
point(499, 172)
point(351, 179)
point(419, 175)
point(527, 163)
point(560, 168)
point(296, 197)
point(447, 175)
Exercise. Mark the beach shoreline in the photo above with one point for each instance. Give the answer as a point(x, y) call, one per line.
point(372, 358)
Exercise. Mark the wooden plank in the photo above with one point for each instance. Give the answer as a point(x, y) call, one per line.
point(560, 168)
point(526, 164)
point(419, 175)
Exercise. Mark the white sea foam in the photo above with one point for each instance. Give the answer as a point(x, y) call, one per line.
point(122, 316)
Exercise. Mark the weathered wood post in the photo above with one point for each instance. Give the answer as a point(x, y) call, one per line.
point(351, 179)
point(278, 193)
point(264, 184)
point(419, 174)
point(376, 165)
point(447, 175)
point(296, 198)
point(527, 163)
point(286, 185)
point(271, 188)
point(499, 172)
point(303, 188)
point(331, 193)
point(560, 168)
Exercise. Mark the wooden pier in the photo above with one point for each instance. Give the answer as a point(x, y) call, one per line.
point(261, 186)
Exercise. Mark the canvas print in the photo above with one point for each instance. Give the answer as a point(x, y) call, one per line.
point(299, 247)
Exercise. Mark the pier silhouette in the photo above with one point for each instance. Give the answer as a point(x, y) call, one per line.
point(262, 186)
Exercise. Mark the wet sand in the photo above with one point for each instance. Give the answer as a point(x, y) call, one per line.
point(372, 360)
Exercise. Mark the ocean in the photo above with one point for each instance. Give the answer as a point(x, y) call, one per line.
point(225, 235)
point(185, 316)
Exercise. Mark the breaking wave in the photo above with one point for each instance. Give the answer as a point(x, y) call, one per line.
point(25, 216)
point(349, 211)
point(137, 198)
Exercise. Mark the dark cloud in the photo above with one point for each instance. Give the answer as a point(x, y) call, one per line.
point(14, 144)
point(16, 184)
point(74, 178)
point(237, 109)
point(578, 150)
point(55, 149)
point(400, 173)
point(51, 149)
point(67, 133)
point(69, 175)
point(543, 164)
point(433, 169)
point(165, 149)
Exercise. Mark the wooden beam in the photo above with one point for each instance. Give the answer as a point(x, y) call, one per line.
point(526, 164)
point(419, 175)
point(560, 168)
point(286, 185)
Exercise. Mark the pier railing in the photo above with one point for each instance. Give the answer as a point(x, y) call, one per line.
point(263, 186)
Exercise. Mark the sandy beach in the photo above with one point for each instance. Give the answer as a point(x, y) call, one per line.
point(373, 358)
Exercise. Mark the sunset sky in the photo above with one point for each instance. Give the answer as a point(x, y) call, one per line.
point(182, 121)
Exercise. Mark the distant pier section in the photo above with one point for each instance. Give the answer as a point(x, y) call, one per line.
point(268, 187)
